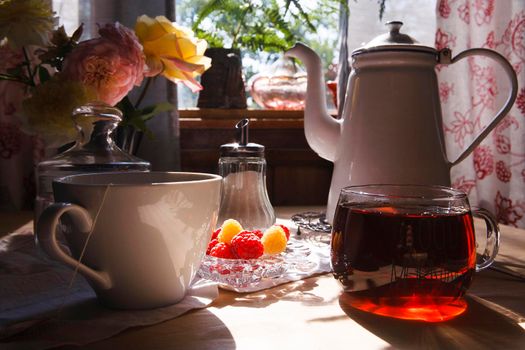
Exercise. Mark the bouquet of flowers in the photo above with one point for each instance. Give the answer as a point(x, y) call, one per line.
point(60, 72)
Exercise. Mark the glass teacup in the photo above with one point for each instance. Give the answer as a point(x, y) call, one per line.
point(408, 251)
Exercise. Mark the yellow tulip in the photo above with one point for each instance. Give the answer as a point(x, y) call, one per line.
point(172, 50)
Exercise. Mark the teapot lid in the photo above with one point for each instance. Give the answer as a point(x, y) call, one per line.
point(393, 40)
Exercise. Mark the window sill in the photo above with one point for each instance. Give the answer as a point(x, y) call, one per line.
point(227, 118)
point(222, 113)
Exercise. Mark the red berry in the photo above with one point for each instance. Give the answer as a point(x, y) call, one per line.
point(222, 250)
point(246, 245)
point(215, 233)
point(286, 231)
point(258, 233)
point(212, 244)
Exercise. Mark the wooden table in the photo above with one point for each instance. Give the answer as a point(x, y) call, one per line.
point(313, 314)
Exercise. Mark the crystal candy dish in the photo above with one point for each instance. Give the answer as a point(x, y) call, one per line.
point(241, 273)
point(248, 273)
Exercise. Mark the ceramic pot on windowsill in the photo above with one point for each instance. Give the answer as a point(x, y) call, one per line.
point(223, 84)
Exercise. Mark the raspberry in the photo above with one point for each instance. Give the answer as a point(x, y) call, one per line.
point(246, 245)
point(258, 233)
point(212, 244)
point(243, 232)
point(286, 231)
point(222, 250)
point(229, 229)
point(274, 240)
point(215, 233)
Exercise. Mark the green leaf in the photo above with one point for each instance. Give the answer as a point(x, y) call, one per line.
point(15, 71)
point(208, 9)
point(127, 109)
point(77, 33)
point(212, 38)
point(278, 21)
point(43, 74)
point(272, 24)
point(141, 125)
point(149, 112)
point(137, 118)
point(304, 15)
point(11, 78)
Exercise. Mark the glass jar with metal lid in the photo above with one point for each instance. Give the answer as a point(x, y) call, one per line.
point(94, 151)
point(244, 195)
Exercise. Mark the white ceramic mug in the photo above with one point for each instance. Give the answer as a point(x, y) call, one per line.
point(138, 238)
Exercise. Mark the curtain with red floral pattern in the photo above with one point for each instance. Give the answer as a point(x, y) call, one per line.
point(472, 93)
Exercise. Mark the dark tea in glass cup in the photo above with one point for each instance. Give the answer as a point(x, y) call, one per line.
point(408, 251)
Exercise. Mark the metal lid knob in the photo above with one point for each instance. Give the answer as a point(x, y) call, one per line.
point(242, 147)
point(394, 26)
point(395, 36)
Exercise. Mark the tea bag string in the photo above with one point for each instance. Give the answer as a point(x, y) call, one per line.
point(81, 256)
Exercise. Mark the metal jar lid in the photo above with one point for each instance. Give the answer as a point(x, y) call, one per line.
point(394, 40)
point(242, 148)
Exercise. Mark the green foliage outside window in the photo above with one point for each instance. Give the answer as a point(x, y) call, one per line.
point(263, 29)
point(264, 25)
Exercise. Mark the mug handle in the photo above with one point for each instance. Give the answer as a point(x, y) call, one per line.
point(445, 57)
point(46, 235)
point(493, 237)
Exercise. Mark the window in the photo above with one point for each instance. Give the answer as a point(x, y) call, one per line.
point(419, 20)
point(323, 13)
point(69, 13)
point(364, 24)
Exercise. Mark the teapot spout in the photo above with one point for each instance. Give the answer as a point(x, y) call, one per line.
point(322, 131)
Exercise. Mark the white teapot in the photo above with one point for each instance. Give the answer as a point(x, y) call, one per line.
point(390, 130)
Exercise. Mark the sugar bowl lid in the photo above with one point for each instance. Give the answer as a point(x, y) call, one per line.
point(394, 40)
point(242, 148)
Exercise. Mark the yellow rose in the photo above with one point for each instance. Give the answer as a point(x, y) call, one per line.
point(172, 50)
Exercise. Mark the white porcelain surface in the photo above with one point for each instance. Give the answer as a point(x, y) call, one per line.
point(391, 128)
point(150, 235)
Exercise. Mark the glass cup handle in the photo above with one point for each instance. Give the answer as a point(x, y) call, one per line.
point(493, 237)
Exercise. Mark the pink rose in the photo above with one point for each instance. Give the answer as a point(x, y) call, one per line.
point(111, 64)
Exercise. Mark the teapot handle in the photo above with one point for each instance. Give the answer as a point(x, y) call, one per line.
point(445, 58)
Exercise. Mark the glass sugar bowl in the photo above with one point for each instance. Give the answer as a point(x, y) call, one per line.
point(244, 196)
point(94, 151)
